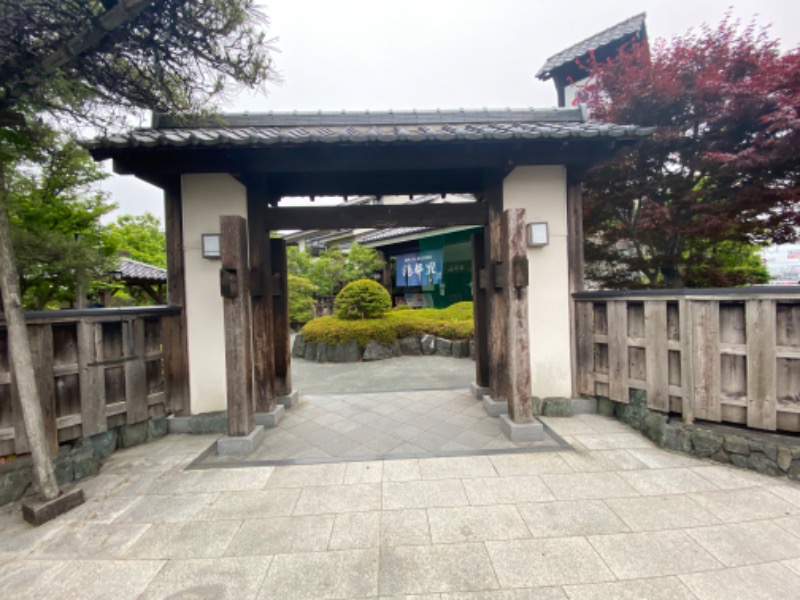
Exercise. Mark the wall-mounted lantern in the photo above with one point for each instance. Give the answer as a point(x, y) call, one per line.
point(210, 245)
point(537, 235)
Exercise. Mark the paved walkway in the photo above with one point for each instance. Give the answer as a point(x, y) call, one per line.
point(613, 518)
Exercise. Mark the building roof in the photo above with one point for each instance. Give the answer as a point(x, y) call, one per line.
point(386, 234)
point(620, 31)
point(134, 270)
point(287, 129)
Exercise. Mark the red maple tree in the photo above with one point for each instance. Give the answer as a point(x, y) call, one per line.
point(720, 172)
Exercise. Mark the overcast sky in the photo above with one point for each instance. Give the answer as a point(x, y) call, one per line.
point(404, 54)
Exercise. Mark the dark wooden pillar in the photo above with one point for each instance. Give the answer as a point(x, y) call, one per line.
point(496, 298)
point(261, 269)
point(176, 353)
point(576, 265)
point(235, 290)
point(281, 344)
point(515, 267)
point(480, 314)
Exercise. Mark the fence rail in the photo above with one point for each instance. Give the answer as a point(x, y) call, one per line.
point(716, 355)
point(95, 369)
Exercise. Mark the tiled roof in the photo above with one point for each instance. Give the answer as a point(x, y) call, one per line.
point(612, 34)
point(385, 234)
point(253, 130)
point(133, 269)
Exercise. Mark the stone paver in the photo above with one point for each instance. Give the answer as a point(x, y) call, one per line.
point(615, 517)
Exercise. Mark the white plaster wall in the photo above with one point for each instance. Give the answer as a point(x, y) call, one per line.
point(205, 198)
point(542, 192)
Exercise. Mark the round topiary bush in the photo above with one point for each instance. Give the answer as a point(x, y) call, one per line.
point(362, 299)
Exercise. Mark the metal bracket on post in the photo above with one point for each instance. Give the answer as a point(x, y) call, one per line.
point(499, 276)
point(519, 271)
point(228, 286)
point(256, 287)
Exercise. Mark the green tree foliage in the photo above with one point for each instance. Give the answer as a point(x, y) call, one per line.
point(362, 299)
point(718, 176)
point(362, 262)
point(301, 299)
point(55, 214)
point(141, 236)
point(298, 262)
point(333, 269)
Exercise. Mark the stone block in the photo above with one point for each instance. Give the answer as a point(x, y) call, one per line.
point(762, 463)
point(606, 407)
point(376, 351)
point(410, 346)
point(156, 428)
point(270, 419)
point(348, 352)
point(635, 411)
point(15, 478)
point(310, 351)
point(460, 349)
point(211, 422)
point(299, 346)
point(37, 512)
point(478, 391)
point(736, 444)
point(428, 344)
point(494, 408)
point(444, 347)
point(176, 424)
point(240, 445)
point(584, 406)
point(396, 349)
point(557, 407)
point(721, 456)
point(472, 349)
point(784, 459)
point(322, 352)
point(521, 432)
point(677, 438)
point(794, 470)
point(104, 443)
point(653, 426)
point(132, 435)
point(289, 400)
point(62, 466)
point(739, 460)
point(706, 443)
point(84, 461)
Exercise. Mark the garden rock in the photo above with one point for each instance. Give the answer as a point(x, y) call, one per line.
point(345, 353)
point(375, 351)
point(444, 347)
point(460, 349)
point(410, 346)
point(299, 347)
point(322, 352)
point(428, 344)
point(310, 351)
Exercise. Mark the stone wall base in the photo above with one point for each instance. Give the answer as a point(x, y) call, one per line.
point(79, 459)
point(768, 453)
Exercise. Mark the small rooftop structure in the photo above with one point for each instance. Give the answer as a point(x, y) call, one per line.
point(134, 272)
point(567, 68)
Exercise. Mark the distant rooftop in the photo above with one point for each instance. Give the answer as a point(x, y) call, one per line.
point(134, 270)
point(633, 27)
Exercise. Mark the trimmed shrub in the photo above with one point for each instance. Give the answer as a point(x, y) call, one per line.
point(453, 323)
point(362, 299)
point(301, 299)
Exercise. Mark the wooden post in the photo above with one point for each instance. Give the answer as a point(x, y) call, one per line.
point(705, 360)
point(762, 410)
point(687, 361)
point(499, 381)
point(584, 348)
point(575, 261)
point(135, 371)
point(518, 334)
point(282, 345)
point(480, 310)
point(617, 318)
point(261, 292)
point(235, 289)
point(176, 352)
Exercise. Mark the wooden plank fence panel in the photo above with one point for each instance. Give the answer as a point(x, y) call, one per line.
point(705, 360)
point(761, 365)
point(657, 359)
point(93, 402)
point(617, 319)
point(135, 371)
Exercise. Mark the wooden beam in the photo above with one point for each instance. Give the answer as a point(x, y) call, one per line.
point(235, 289)
point(575, 262)
point(517, 325)
point(262, 301)
point(379, 217)
point(281, 338)
point(176, 352)
point(480, 314)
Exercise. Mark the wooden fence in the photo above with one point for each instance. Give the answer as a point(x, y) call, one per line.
point(716, 355)
point(95, 369)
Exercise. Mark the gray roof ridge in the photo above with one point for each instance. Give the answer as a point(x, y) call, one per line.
point(368, 117)
point(575, 51)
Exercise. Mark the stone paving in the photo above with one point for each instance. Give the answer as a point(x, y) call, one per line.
point(614, 517)
point(405, 424)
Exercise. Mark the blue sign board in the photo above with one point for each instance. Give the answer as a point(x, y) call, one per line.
point(419, 268)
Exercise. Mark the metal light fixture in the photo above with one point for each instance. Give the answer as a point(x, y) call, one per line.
point(538, 235)
point(210, 245)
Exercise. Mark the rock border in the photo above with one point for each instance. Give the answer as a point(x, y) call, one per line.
point(415, 345)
